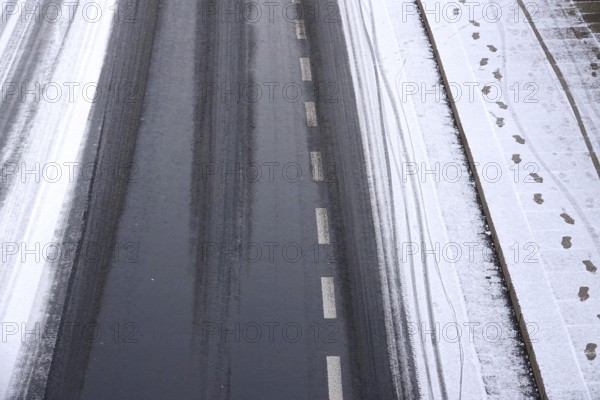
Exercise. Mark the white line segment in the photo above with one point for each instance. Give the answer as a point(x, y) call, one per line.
point(311, 113)
point(328, 292)
point(317, 166)
point(322, 225)
point(300, 31)
point(306, 71)
point(334, 378)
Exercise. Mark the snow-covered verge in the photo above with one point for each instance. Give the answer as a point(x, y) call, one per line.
point(535, 120)
point(50, 62)
point(450, 322)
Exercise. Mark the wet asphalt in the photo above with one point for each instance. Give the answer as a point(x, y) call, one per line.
point(213, 287)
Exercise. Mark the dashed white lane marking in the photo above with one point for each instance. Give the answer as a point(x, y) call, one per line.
point(328, 291)
point(322, 226)
point(334, 378)
point(306, 71)
point(300, 31)
point(311, 113)
point(317, 166)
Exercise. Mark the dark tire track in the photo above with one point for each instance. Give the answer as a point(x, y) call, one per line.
point(95, 215)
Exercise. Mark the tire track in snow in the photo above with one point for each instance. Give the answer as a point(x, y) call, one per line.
point(422, 219)
point(31, 60)
point(32, 212)
point(394, 312)
point(423, 225)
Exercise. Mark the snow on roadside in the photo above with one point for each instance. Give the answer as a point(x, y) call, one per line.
point(438, 273)
point(39, 154)
point(543, 209)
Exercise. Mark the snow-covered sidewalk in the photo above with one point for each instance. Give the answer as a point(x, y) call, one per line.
point(528, 111)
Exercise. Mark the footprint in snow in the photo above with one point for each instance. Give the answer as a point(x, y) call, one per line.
point(499, 121)
point(483, 62)
point(519, 139)
point(502, 105)
point(589, 266)
point(566, 242)
point(475, 23)
point(584, 293)
point(568, 218)
point(497, 74)
point(590, 351)
point(536, 177)
point(538, 198)
point(492, 48)
point(476, 35)
point(486, 90)
point(516, 158)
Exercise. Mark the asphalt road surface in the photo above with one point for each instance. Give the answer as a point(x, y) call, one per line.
point(243, 260)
